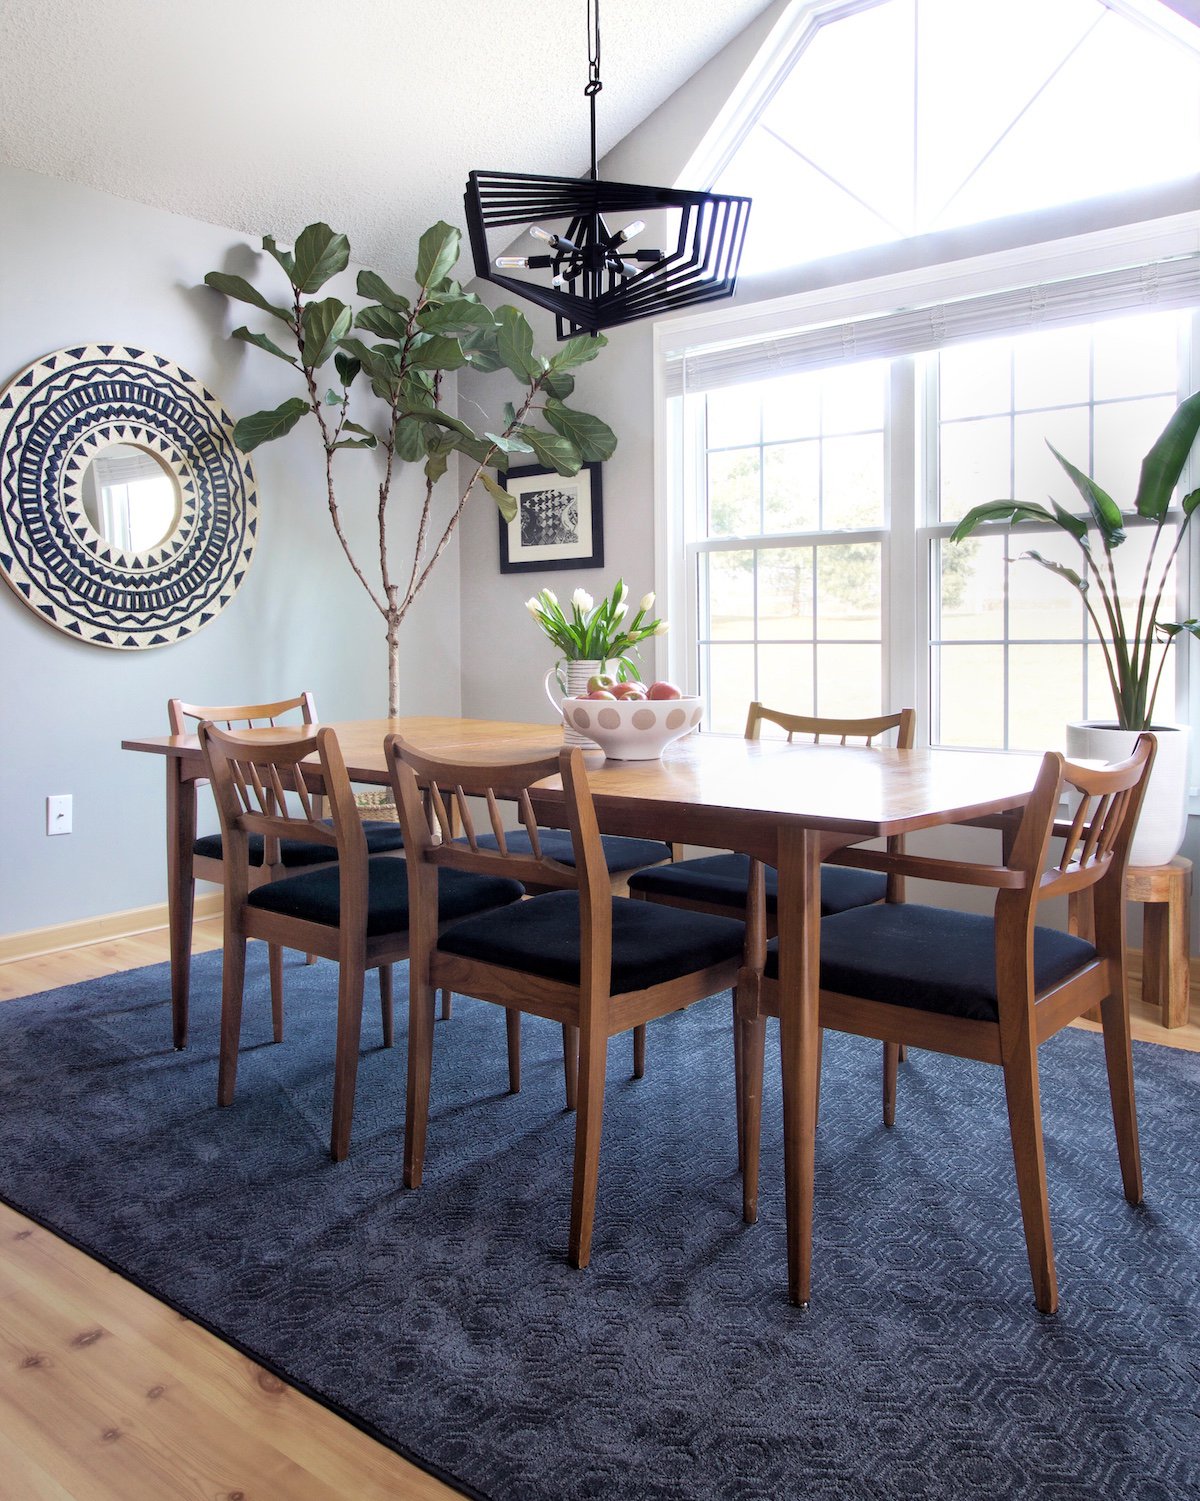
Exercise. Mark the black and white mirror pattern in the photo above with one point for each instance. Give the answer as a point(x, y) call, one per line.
point(128, 517)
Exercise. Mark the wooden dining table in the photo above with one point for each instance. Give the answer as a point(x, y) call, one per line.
point(789, 805)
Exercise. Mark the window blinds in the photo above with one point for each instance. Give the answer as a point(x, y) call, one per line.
point(1162, 284)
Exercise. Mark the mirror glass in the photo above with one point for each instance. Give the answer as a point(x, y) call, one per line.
point(130, 497)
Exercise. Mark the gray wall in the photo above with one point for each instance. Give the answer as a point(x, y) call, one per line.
point(77, 265)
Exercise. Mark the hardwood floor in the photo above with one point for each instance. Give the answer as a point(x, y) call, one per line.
point(106, 1394)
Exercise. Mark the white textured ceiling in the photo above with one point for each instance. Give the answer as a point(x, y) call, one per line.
point(265, 115)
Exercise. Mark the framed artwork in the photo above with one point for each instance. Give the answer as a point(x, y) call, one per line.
point(559, 521)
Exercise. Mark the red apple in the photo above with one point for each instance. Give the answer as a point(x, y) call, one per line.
point(664, 690)
point(626, 690)
point(600, 693)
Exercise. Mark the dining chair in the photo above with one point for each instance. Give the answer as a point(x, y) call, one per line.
point(575, 954)
point(720, 883)
point(269, 859)
point(354, 909)
point(991, 988)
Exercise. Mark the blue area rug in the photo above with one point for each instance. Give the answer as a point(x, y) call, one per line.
point(448, 1323)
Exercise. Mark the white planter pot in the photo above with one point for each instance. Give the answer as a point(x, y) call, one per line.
point(1163, 820)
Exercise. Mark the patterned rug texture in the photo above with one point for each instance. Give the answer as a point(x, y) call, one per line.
point(448, 1323)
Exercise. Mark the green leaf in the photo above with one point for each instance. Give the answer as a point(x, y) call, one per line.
point(1191, 627)
point(285, 257)
point(319, 254)
point(436, 254)
point(373, 358)
point(506, 502)
point(594, 439)
point(557, 383)
point(262, 342)
point(410, 440)
point(515, 344)
point(436, 465)
point(482, 349)
point(353, 443)
point(443, 419)
point(384, 321)
point(437, 352)
point(508, 445)
point(263, 427)
point(347, 367)
point(554, 450)
point(1163, 465)
point(372, 285)
point(1190, 502)
point(1060, 569)
point(1069, 522)
point(323, 325)
point(577, 351)
point(239, 287)
point(365, 432)
point(1105, 511)
point(457, 316)
point(1011, 511)
point(332, 398)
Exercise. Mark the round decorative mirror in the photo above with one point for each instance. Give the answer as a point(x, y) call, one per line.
point(128, 516)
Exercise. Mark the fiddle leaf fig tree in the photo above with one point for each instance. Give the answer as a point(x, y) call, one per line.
point(387, 359)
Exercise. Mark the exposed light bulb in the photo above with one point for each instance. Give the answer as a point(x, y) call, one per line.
point(539, 233)
point(511, 263)
point(629, 231)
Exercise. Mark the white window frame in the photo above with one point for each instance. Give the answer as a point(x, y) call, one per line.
point(906, 602)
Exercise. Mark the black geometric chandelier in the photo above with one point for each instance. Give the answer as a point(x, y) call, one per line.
point(588, 277)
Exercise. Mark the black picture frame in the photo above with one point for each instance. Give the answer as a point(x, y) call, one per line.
point(559, 521)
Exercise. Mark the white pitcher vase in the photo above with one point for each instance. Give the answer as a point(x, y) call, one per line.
point(568, 680)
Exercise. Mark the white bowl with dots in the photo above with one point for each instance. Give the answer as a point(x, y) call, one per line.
point(632, 729)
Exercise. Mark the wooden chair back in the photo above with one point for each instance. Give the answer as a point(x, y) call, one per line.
point(261, 787)
point(834, 731)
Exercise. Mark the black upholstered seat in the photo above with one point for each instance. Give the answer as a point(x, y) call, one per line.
point(382, 837)
point(620, 854)
point(650, 945)
point(722, 881)
point(315, 895)
point(929, 958)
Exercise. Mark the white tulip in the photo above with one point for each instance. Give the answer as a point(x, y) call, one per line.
point(550, 596)
point(533, 606)
point(582, 601)
point(647, 602)
point(623, 595)
point(619, 611)
point(660, 629)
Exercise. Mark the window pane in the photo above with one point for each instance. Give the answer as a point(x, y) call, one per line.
point(971, 698)
point(785, 680)
point(791, 407)
point(730, 595)
point(1137, 355)
point(852, 481)
point(975, 380)
point(727, 673)
point(1125, 431)
point(849, 591)
point(792, 487)
point(1045, 689)
point(1037, 473)
point(1052, 369)
point(733, 493)
point(976, 465)
point(785, 594)
point(1041, 605)
point(853, 397)
point(733, 417)
point(969, 583)
point(849, 680)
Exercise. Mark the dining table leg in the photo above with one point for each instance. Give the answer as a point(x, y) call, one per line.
point(181, 836)
point(799, 928)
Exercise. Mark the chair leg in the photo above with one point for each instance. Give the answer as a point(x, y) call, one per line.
point(738, 1024)
point(512, 1027)
point(754, 1033)
point(570, 1063)
point(639, 1051)
point(446, 1001)
point(233, 979)
point(589, 1119)
point(387, 1014)
point(310, 958)
point(891, 1061)
point(1029, 1157)
point(902, 1056)
point(275, 967)
point(1118, 1055)
point(345, 1058)
point(420, 1069)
